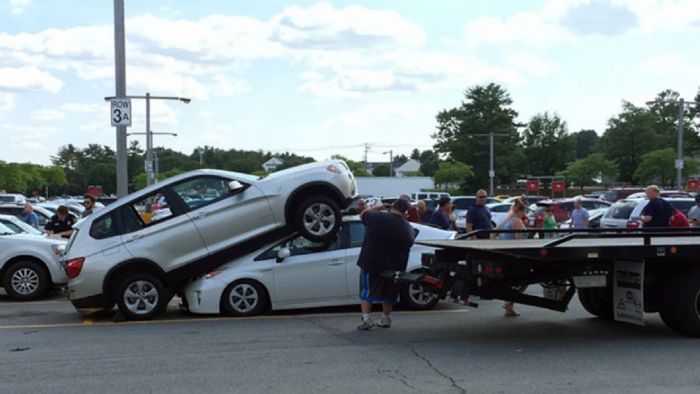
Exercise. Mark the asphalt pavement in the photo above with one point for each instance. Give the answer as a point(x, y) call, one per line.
point(47, 347)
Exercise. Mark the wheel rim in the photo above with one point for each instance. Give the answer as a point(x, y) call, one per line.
point(319, 219)
point(418, 296)
point(243, 298)
point(141, 297)
point(25, 281)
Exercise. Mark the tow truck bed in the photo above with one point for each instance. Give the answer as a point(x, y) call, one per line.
point(618, 275)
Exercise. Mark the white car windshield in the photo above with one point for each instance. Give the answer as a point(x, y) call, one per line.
point(4, 230)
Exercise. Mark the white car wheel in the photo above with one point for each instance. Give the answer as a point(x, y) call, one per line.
point(244, 298)
point(26, 280)
point(318, 219)
point(141, 297)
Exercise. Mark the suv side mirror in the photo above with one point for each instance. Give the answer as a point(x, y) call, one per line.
point(282, 254)
point(235, 186)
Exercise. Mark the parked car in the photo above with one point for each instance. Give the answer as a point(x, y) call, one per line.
point(126, 254)
point(594, 218)
point(43, 214)
point(428, 195)
point(621, 193)
point(528, 199)
point(29, 265)
point(461, 205)
point(73, 209)
point(13, 198)
point(625, 213)
point(562, 209)
point(598, 195)
point(296, 273)
point(18, 226)
point(663, 194)
point(499, 211)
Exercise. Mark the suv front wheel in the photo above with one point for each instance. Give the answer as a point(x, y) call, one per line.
point(318, 219)
point(141, 297)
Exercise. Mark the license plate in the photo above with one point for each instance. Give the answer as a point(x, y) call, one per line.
point(585, 281)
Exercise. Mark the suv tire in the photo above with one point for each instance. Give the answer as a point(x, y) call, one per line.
point(141, 297)
point(26, 280)
point(317, 219)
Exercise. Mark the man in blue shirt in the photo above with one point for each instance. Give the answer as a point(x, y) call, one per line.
point(658, 211)
point(443, 217)
point(29, 216)
point(478, 216)
point(579, 216)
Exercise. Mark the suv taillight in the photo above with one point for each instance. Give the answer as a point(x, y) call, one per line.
point(633, 224)
point(73, 267)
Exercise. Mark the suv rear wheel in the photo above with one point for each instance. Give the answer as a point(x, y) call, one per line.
point(317, 218)
point(141, 297)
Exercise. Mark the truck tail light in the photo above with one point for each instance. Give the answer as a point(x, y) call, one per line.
point(74, 266)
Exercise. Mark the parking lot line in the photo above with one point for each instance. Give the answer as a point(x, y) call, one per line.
point(88, 319)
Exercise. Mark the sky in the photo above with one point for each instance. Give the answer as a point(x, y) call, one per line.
point(324, 78)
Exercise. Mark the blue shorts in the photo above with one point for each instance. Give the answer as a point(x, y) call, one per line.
point(375, 289)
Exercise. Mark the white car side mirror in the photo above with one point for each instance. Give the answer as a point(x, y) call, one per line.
point(235, 186)
point(282, 254)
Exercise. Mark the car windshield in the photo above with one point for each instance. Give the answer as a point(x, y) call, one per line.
point(4, 230)
point(621, 210)
point(7, 199)
point(682, 205)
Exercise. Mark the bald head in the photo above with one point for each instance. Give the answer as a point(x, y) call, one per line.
point(481, 197)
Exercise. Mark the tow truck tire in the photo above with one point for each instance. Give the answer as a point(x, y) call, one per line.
point(680, 304)
point(598, 301)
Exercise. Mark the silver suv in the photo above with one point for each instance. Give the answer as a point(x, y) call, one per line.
point(141, 249)
point(29, 264)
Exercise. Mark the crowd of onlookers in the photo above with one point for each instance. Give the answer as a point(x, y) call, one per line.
point(60, 224)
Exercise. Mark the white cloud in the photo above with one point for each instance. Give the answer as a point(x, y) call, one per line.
point(49, 115)
point(28, 78)
point(7, 102)
point(29, 141)
point(531, 64)
point(18, 6)
point(529, 28)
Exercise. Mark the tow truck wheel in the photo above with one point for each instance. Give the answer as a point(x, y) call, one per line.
point(597, 301)
point(680, 304)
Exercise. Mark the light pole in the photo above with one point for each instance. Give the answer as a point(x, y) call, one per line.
point(120, 82)
point(154, 155)
point(682, 104)
point(391, 162)
point(150, 175)
point(492, 172)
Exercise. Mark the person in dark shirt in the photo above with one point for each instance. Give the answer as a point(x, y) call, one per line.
point(443, 217)
point(478, 216)
point(388, 240)
point(89, 204)
point(424, 212)
point(658, 211)
point(60, 224)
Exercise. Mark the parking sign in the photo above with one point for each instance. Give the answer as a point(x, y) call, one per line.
point(120, 112)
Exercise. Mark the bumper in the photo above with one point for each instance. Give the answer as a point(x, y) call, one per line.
point(96, 301)
point(204, 295)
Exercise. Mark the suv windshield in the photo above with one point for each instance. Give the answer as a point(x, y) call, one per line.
point(621, 210)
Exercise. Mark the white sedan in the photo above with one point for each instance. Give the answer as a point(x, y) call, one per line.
point(297, 273)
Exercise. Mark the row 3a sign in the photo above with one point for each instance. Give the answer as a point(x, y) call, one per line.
point(120, 112)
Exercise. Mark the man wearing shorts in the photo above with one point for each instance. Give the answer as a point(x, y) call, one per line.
point(388, 240)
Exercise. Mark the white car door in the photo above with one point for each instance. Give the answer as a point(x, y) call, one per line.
point(223, 217)
point(313, 272)
point(355, 235)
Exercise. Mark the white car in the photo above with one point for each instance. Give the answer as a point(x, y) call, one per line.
point(29, 265)
point(625, 213)
point(13, 198)
point(296, 273)
point(18, 226)
point(141, 249)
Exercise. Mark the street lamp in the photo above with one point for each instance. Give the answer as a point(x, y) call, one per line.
point(150, 175)
point(391, 161)
point(682, 104)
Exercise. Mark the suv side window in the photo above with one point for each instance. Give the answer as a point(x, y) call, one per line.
point(104, 227)
point(202, 191)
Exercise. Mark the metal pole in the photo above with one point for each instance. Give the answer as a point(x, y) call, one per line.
point(120, 79)
point(679, 162)
point(149, 142)
point(391, 163)
point(491, 171)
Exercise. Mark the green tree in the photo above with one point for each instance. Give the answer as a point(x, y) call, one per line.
point(429, 162)
point(629, 136)
point(400, 160)
point(485, 109)
point(659, 166)
point(582, 171)
point(453, 173)
point(586, 143)
point(665, 108)
point(415, 154)
point(546, 145)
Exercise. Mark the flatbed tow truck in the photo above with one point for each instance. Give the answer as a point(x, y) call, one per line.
point(618, 274)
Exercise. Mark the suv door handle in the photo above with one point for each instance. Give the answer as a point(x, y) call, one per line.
point(335, 262)
point(199, 215)
point(133, 238)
